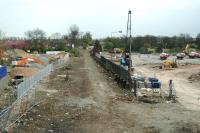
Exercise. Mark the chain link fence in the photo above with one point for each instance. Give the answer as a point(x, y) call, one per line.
point(26, 97)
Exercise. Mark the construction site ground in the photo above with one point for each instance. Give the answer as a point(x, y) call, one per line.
point(88, 100)
point(186, 78)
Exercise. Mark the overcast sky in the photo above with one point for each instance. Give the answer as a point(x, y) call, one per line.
point(101, 17)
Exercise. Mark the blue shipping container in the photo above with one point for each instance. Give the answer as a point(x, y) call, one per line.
point(155, 84)
point(3, 72)
point(153, 79)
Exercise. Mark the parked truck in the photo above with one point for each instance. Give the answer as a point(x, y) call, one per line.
point(164, 56)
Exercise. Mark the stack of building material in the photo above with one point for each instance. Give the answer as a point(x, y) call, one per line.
point(153, 82)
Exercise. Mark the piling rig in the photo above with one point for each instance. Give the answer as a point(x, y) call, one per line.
point(124, 73)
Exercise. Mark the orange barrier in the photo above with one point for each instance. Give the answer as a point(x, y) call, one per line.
point(25, 60)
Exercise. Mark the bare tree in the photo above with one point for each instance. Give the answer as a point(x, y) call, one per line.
point(57, 41)
point(2, 35)
point(198, 36)
point(36, 34)
point(2, 41)
point(74, 34)
point(186, 36)
point(36, 39)
point(56, 36)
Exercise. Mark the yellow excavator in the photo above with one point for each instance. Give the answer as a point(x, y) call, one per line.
point(167, 64)
point(191, 52)
point(117, 51)
point(187, 49)
point(185, 52)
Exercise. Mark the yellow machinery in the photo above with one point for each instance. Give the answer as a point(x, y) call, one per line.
point(187, 49)
point(118, 50)
point(169, 64)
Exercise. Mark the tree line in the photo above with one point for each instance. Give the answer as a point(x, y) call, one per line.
point(149, 43)
point(37, 40)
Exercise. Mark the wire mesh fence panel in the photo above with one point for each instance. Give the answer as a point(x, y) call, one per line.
point(4, 118)
point(31, 81)
point(25, 98)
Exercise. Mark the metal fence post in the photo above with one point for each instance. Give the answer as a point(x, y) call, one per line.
point(170, 88)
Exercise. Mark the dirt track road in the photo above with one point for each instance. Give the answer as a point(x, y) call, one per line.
point(90, 102)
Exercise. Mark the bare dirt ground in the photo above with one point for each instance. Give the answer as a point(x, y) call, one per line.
point(187, 90)
point(89, 101)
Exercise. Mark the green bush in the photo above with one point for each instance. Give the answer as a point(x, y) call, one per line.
point(108, 46)
point(143, 50)
point(74, 52)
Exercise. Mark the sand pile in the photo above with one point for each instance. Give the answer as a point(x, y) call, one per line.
point(25, 71)
point(60, 55)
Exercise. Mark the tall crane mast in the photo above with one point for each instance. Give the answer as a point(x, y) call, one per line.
point(129, 36)
point(129, 41)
